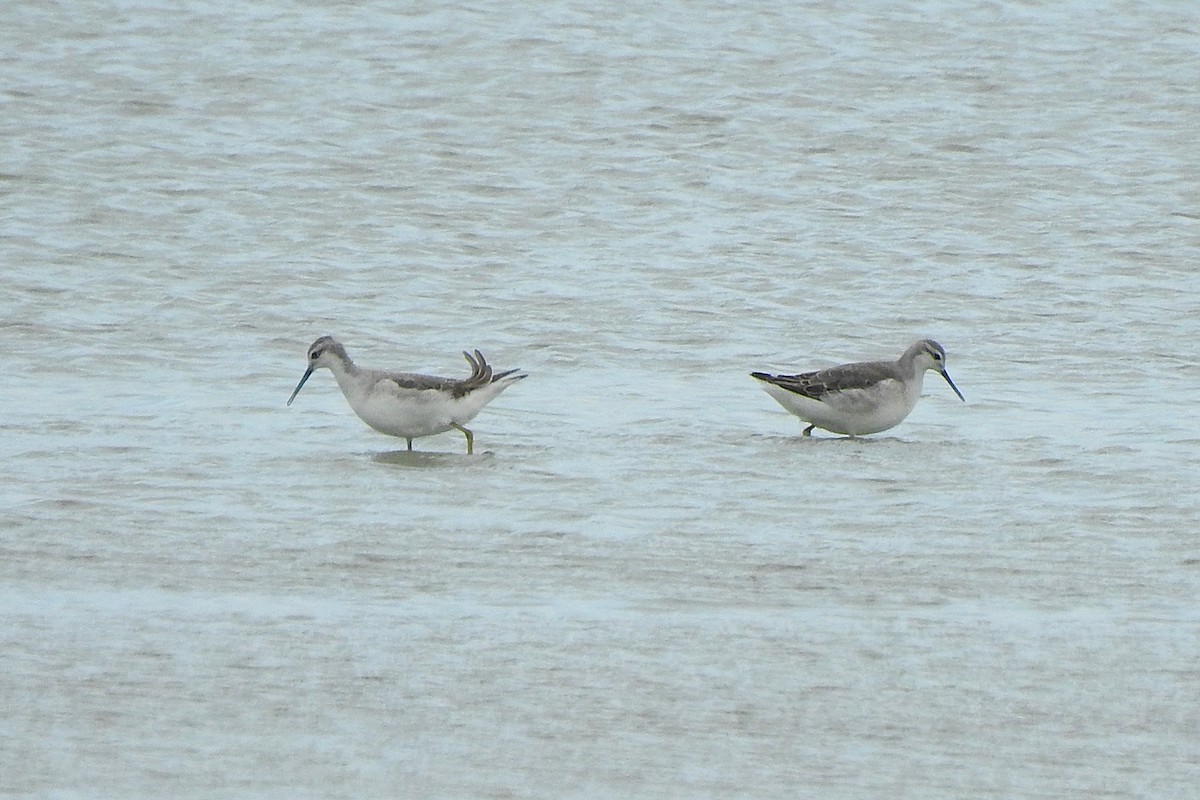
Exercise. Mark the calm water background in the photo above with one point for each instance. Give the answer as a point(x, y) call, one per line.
point(648, 585)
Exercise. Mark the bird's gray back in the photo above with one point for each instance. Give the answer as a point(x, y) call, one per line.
point(818, 384)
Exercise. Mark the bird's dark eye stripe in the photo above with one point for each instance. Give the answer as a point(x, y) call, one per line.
point(317, 354)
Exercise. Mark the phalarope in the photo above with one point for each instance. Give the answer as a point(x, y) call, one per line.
point(865, 397)
point(405, 404)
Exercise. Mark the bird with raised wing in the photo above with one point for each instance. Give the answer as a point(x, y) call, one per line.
point(406, 404)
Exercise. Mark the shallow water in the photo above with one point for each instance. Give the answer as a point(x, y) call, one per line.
point(645, 582)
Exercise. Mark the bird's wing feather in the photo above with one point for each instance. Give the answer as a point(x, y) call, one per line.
point(411, 381)
point(822, 383)
point(481, 375)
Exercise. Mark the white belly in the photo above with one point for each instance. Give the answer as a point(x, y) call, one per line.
point(413, 413)
point(855, 412)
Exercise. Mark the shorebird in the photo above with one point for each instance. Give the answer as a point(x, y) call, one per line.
point(405, 404)
point(865, 397)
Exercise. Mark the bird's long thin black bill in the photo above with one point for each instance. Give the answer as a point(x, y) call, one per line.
point(309, 371)
point(945, 375)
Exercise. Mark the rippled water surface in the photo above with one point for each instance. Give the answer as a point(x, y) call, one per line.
point(645, 583)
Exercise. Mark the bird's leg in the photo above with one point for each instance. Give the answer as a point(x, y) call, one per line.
point(470, 437)
point(808, 431)
point(409, 444)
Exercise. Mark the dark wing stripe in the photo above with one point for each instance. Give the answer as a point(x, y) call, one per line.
point(835, 379)
point(481, 375)
point(504, 374)
point(800, 384)
point(485, 370)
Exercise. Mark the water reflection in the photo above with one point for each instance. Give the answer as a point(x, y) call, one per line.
point(417, 459)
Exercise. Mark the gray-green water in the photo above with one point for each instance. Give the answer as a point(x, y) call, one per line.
point(647, 585)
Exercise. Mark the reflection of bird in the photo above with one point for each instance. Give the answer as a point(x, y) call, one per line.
point(865, 397)
point(405, 404)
